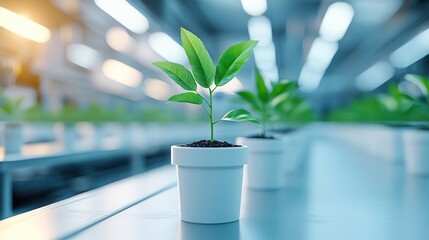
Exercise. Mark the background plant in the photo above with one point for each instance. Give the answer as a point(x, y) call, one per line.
point(420, 103)
point(393, 106)
point(266, 104)
point(11, 108)
point(206, 75)
point(296, 110)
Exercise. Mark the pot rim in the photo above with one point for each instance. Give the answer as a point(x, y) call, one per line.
point(208, 157)
point(263, 145)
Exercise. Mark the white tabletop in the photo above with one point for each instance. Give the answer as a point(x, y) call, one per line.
point(340, 193)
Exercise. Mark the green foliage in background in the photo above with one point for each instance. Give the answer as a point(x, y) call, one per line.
point(10, 108)
point(394, 106)
point(267, 104)
point(420, 103)
point(206, 75)
point(95, 113)
point(296, 110)
point(37, 114)
point(161, 115)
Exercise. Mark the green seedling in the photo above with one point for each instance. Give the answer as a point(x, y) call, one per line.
point(267, 105)
point(11, 108)
point(206, 75)
point(422, 82)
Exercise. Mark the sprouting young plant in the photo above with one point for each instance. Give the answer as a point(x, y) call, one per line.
point(206, 75)
point(266, 104)
point(423, 83)
point(11, 108)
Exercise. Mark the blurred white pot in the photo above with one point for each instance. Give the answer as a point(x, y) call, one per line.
point(266, 166)
point(416, 151)
point(295, 147)
point(13, 138)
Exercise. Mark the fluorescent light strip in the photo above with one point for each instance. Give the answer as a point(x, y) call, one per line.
point(118, 39)
point(375, 76)
point(318, 60)
point(125, 14)
point(157, 89)
point(321, 54)
point(336, 21)
point(22, 26)
point(260, 30)
point(309, 80)
point(167, 48)
point(83, 56)
point(254, 7)
point(122, 73)
point(412, 51)
point(265, 57)
point(270, 75)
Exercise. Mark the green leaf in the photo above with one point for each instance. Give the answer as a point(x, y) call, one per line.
point(232, 60)
point(421, 81)
point(407, 97)
point(282, 92)
point(10, 106)
point(282, 87)
point(188, 97)
point(250, 98)
point(279, 99)
point(260, 87)
point(199, 58)
point(182, 76)
point(239, 115)
point(418, 102)
point(394, 92)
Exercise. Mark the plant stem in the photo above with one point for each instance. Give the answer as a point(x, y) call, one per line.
point(263, 120)
point(211, 115)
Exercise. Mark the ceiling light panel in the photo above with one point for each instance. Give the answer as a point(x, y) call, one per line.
point(254, 7)
point(336, 21)
point(125, 14)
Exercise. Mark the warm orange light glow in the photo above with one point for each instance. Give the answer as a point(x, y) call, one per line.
point(157, 89)
point(23, 26)
point(119, 39)
point(122, 73)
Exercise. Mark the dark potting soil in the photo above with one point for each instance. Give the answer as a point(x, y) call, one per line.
point(284, 131)
point(261, 137)
point(210, 144)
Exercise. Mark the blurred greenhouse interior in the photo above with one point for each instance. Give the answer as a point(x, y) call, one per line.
point(342, 83)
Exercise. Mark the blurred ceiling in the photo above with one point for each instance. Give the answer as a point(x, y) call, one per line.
point(287, 31)
point(378, 28)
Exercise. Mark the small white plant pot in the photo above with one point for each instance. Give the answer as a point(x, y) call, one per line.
point(70, 136)
point(209, 183)
point(13, 138)
point(394, 149)
point(294, 147)
point(416, 151)
point(100, 133)
point(266, 167)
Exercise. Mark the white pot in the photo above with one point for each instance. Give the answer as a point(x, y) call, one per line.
point(66, 134)
point(295, 147)
point(416, 151)
point(266, 167)
point(393, 150)
point(13, 138)
point(209, 182)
